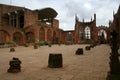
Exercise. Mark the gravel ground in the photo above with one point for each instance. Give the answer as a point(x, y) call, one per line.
point(93, 65)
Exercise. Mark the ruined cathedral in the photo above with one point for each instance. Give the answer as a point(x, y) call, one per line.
point(23, 25)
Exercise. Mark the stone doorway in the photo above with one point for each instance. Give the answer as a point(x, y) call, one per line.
point(18, 38)
point(30, 38)
point(69, 38)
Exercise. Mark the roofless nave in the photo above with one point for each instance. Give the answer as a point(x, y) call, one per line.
point(23, 25)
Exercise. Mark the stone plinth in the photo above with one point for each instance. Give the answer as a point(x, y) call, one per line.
point(12, 49)
point(87, 48)
point(35, 46)
point(92, 46)
point(55, 61)
point(79, 51)
point(14, 65)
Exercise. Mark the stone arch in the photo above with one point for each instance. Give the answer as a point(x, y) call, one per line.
point(42, 34)
point(30, 38)
point(102, 36)
point(4, 36)
point(102, 33)
point(87, 33)
point(69, 38)
point(18, 38)
point(49, 34)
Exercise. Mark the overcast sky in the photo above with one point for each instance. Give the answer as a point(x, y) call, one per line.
point(68, 8)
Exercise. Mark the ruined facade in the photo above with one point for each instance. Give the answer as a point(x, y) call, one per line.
point(85, 32)
point(23, 25)
point(88, 32)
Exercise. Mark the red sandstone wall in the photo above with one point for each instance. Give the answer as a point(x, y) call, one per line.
point(0, 14)
point(76, 32)
point(30, 17)
point(6, 9)
point(9, 8)
point(95, 31)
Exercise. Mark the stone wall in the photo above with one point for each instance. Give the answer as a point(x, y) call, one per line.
point(30, 17)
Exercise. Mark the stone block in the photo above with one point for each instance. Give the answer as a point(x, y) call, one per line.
point(14, 65)
point(12, 49)
point(55, 61)
point(87, 48)
point(79, 51)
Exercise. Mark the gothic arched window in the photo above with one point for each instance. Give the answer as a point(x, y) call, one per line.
point(87, 33)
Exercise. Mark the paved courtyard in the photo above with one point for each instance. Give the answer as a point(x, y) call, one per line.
point(93, 65)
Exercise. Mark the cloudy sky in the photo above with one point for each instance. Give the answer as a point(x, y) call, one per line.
point(68, 8)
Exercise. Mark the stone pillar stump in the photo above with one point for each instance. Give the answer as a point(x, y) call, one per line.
point(12, 49)
point(87, 48)
point(35, 46)
point(55, 60)
point(14, 65)
point(79, 51)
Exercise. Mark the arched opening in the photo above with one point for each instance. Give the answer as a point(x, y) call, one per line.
point(102, 36)
point(4, 37)
point(42, 34)
point(49, 35)
point(69, 38)
point(30, 38)
point(55, 38)
point(18, 38)
point(87, 33)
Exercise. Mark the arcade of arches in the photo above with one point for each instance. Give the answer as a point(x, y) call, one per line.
point(23, 25)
